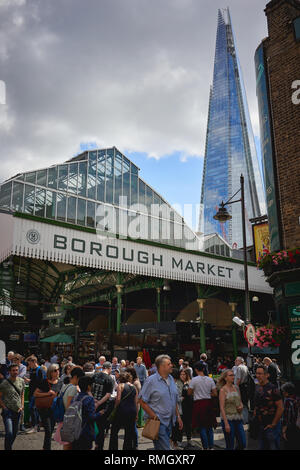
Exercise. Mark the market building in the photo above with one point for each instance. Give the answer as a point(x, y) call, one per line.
point(277, 62)
point(97, 261)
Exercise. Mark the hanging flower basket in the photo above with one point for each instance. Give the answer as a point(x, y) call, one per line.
point(279, 261)
point(270, 336)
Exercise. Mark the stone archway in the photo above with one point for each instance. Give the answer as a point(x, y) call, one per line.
point(216, 312)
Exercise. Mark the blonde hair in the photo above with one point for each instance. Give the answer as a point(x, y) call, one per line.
point(222, 379)
point(51, 369)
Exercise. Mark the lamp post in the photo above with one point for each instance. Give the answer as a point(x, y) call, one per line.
point(223, 216)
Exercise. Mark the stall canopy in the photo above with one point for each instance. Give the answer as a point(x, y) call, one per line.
point(59, 338)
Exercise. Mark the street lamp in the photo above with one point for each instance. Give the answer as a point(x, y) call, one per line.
point(222, 216)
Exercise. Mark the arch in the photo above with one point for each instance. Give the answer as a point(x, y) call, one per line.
point(216, 312)
point(142, 315)
point(100, 322)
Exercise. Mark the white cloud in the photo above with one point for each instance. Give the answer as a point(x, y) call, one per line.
point(130, 73)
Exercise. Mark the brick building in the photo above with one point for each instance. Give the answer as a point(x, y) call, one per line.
point(277, 61)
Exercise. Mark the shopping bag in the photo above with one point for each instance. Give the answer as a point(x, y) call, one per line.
point(151, 429)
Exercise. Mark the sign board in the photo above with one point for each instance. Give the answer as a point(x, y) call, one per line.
point(250, 334)
point(54, 315)
point(262, 93)
point(261, 239)
point(294, 317)
point(66, 245)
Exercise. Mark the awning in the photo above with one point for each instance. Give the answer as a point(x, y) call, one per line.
point(59, 338)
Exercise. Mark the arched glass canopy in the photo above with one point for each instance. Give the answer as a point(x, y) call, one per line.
point(99, 189)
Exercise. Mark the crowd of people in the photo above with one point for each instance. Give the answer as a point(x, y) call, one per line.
point(116, 395)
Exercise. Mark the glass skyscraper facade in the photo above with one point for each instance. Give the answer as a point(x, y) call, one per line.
point(98, 189)
point(230, 147)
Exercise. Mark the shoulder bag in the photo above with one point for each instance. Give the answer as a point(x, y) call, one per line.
point(112, 415)
point(44, 402)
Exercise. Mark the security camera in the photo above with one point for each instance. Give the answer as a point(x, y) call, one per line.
point(238, 321)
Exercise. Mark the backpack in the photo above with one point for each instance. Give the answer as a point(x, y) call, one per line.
point(58, 407)
point(72, 422)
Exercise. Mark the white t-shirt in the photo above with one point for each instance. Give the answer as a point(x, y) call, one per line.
point(202, 387)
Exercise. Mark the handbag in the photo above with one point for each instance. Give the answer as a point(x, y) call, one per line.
point(151, 429)
point(42, 403)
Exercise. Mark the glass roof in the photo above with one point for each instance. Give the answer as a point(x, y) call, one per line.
point(98, 189)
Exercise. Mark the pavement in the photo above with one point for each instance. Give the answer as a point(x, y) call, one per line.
point(35, 441)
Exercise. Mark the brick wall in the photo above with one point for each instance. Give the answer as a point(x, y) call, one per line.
point(283, 58)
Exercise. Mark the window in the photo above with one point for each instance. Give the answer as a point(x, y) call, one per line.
point(41, 177)
point(29, 199)
point(90, 217)
point(61, 206)
point(5, 195)
point(17, 201)
point(50, 204)
point(82, 179)
point(52, 177)
point(39, 208)
point(73, 178)
point(71, 210)
point(81, 209)
point(63, 177)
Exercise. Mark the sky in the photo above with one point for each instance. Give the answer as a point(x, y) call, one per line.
point(134, 74)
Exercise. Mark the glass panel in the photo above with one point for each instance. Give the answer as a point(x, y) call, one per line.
point(63, 177)
point(50, 204)
point(41, 177)
point(5, 194)
point(118, 178)
point(40, 199)
point(134, 189)
point(126, 181)
point(149, 197)
point(73, 178)
point(101, 177)
point(29, 199)
point(109, 176)
point(82, 179)
point(17, 201)
point(90, 217)
point(52, 177)
point(30, 177)
point(61, 206)
point(92, 177)
point(20, 177)
point(81, 210)
point(134, 169)
point(71, 213)
point(142, 190)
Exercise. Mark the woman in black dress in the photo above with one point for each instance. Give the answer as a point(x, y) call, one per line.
point(126, 415)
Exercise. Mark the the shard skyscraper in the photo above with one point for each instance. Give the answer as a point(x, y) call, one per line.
point(230, 148)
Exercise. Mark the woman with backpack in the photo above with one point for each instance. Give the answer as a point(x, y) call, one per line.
point(88, 415)
point(68, 392)
point(44, 395)
point(125, 414)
